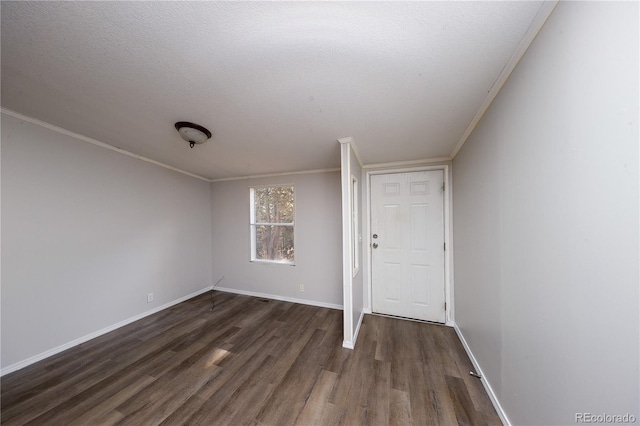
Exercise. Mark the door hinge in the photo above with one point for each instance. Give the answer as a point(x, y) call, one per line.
point(444, 246)
point(443, 186)
point(445, 306)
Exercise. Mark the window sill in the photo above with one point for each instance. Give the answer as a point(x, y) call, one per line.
point(273, 262)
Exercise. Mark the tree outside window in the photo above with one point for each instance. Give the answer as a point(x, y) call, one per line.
point(272, 223)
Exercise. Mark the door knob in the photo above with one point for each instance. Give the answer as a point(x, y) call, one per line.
point(375, 245)
point(375, 236)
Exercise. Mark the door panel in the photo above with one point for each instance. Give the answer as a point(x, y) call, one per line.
point(392, 226)
point(407, 214)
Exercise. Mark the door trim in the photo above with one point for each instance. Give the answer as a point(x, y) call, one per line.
point(448, 240)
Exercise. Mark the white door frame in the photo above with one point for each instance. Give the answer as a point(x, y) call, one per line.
point(448, 258)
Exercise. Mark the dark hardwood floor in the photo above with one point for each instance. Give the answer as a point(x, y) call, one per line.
point(252, 361)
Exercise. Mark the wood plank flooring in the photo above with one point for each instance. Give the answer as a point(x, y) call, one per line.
point(252, 361)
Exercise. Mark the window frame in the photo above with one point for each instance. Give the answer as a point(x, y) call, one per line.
point(355, 226)
point(253, 225)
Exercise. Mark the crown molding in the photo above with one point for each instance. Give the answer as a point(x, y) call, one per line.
point(268, 175)
point(95, 142)
point(536, 25)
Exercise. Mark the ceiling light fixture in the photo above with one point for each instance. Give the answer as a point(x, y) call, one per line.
point(192, 133)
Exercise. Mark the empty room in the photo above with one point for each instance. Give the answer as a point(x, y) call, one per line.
point(320, 213)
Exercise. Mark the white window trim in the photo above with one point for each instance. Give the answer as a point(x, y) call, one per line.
point(355, 226)
point(253, 224)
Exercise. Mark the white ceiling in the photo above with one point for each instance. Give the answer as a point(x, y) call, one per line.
point(276, 83)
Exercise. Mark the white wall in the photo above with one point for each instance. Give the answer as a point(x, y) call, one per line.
point(546, 223)
point(318, 249)
point(86, 234)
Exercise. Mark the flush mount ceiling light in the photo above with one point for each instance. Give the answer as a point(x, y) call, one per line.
point(192, 133)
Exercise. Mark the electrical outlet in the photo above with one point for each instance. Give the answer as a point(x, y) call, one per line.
point(149, 297)
point(302, 288)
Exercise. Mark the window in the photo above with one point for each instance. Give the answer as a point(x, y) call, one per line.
point(355, 234)
point(272, 224)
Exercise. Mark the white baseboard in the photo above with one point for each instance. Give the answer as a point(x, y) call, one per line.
point(367, 311)
point(355, 335)
point(348, 345)
point(86, 338)
point(352, 344)
point(485, 382)
point(282, 298)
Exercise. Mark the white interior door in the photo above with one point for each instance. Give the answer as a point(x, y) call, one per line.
point(407, 245)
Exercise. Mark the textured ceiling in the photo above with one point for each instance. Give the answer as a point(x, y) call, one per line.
point(276, 83)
